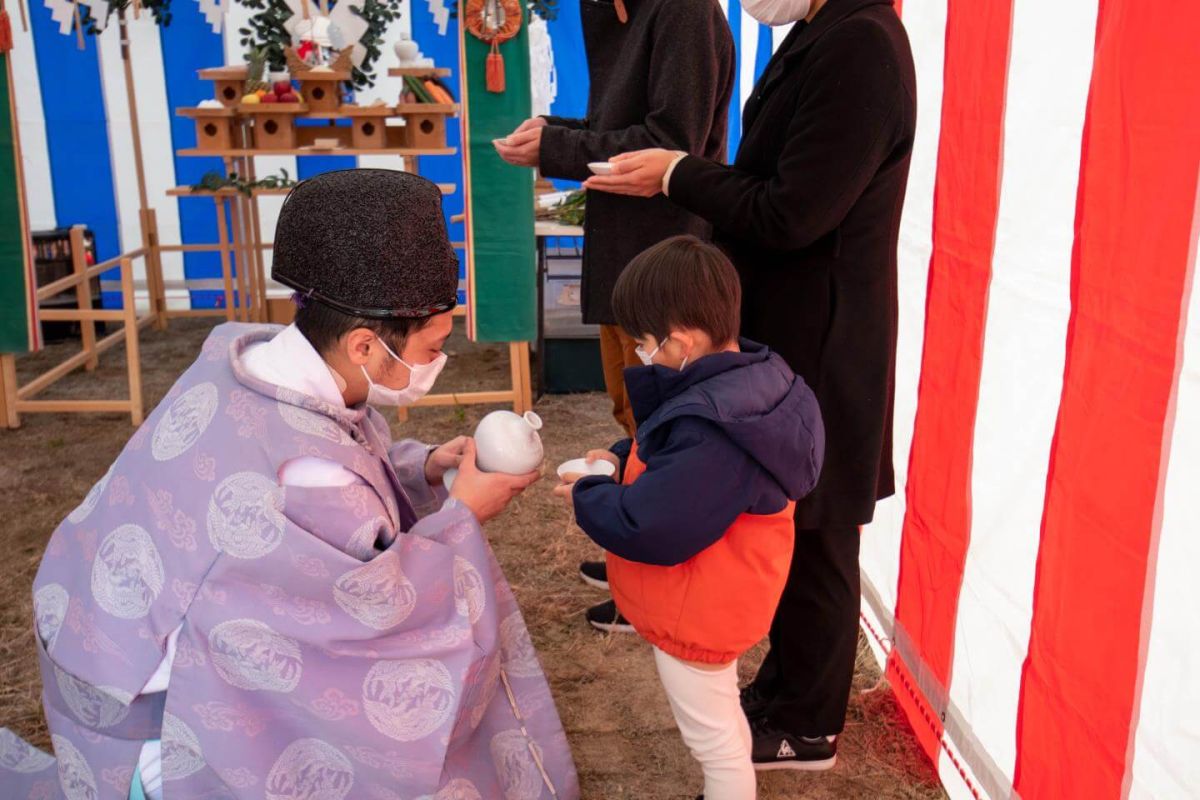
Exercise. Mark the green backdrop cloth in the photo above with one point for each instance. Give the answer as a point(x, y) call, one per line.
point(501, 196)
point(14, 302)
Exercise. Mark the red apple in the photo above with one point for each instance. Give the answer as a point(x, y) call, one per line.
point(290, 97)
point(282, 87)
point(270, 97)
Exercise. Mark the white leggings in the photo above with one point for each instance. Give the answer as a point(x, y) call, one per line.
point(708, 711)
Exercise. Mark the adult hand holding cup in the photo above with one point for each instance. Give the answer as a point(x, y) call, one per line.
point(487, 494)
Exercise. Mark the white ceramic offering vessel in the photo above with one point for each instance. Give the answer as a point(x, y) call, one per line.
point(406, 50)
point(580, 466)
point(506, 442)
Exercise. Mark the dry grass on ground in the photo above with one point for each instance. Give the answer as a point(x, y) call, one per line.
point(614, 711)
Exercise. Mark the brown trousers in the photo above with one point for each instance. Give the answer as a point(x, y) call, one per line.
point(617, 352)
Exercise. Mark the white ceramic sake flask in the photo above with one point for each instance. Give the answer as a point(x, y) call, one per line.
point(406, 50)
point(509, 443)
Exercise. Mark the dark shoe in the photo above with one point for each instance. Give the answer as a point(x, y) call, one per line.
point(605, 617)
point(594, 573)
point(775, 749)
point(754, 702)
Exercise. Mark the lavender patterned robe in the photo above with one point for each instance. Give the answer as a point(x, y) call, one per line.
point(336, 642)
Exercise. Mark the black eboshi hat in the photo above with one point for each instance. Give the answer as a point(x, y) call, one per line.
point(368, 242)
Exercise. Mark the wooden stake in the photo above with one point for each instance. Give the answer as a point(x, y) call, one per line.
point(78, 26)
point(133, 359)
point(514, 363)
point(8, 391)
point(154, 270)
point(83, 295)
point(243, 303)
point(256, 244)
point(226, 268)
point(135, 129)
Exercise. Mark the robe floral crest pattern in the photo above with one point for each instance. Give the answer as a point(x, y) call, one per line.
point(335, 642)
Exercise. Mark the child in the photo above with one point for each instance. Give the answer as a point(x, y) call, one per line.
point(699, 529)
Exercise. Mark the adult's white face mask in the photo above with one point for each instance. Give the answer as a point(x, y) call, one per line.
point(421, 378)
point(777, 12)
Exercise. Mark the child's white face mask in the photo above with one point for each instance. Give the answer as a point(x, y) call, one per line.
point(648, 358)
point(421, 378)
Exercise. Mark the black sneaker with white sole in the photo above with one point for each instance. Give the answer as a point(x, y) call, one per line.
point(605, 617)
point(775, 749)
point(594, 573)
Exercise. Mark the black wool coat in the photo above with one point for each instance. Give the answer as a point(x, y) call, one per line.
point(662, 79)
point(809, 213)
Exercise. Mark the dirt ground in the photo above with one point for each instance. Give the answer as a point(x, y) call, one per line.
point(614, 711)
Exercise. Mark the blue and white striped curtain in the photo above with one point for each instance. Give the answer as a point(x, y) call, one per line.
point(78, 150)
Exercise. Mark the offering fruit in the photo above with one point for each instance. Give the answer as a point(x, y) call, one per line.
point(252, 99)
point(261, 92)
point(269, 97)
point(290, 97)
point(282, 87)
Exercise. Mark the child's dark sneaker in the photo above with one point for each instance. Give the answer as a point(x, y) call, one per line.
point(754, 703)
point(594, 573)
point(605, 617)
point(775, 749)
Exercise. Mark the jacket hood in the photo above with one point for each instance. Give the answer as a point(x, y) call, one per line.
point(753, 396)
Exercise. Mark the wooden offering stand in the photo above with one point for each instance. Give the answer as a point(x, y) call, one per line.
point(216, 128)
point(273, 126)
point(320, 88)
point(238, 129)
point(425, 123)
point(229, 83)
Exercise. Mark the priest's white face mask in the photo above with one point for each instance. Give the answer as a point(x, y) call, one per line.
point(421, 378)
point(777, 12)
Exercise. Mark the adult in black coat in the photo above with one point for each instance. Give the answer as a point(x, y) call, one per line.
point(661, 74)
point(809, 212)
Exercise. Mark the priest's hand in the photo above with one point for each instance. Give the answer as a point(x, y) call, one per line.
point(444, 459)
point(521, 148)
point(486, 494)
point(637, 174)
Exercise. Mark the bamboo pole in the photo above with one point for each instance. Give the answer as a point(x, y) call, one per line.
point(83, 295)
point(226, 268)
point(132, 354)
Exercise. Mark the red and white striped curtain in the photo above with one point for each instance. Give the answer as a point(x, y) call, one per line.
point(1035, 578)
